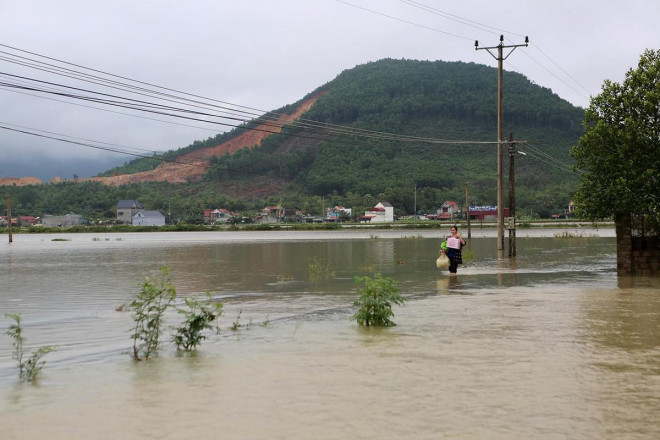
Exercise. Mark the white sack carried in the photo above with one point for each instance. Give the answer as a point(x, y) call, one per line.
point(442, 262)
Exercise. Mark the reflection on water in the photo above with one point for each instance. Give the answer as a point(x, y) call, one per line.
point(551, 345)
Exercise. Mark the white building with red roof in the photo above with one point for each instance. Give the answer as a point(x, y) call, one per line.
point(383, 212)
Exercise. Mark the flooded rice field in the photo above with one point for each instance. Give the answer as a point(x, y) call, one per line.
point(550, 345)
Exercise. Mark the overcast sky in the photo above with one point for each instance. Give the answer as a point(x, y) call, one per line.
point(265, 54)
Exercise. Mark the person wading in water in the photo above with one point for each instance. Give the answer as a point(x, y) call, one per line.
point(454, 244)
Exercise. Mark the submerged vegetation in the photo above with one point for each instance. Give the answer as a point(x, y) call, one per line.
point(375, 301)
point(27, 370)
point(199, 316)
point(149, 306)
point(569, 234)
point(318, 270)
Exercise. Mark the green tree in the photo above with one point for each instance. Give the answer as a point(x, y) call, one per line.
point(619, 153)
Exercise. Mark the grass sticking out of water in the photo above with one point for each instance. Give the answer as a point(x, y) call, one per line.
point(569, 234)
point(318, 270)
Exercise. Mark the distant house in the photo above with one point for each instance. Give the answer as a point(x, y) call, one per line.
point(148, 218)
point(126, 210)
point(447, 211)
point(217, 215)
point(28, 220)
point(64, 221)
point(5, 222)
point(270, 214)
point(383, 212)
point(335, 214)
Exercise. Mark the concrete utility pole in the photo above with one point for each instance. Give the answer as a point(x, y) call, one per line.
point(512, 197)
point(467, 210)
point(415, 204)
point(9, 219)
point(500, 98)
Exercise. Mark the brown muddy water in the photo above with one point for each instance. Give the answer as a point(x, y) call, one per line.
point(551, 345)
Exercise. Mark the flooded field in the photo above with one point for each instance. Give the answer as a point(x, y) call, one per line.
point(551, 345)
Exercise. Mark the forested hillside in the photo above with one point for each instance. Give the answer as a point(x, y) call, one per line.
point(314, 163)
point(454, 101)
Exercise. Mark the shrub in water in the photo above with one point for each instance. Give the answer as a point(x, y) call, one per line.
point(375, 300)
point(198, 317)
point(148, 308)
point(28, 370)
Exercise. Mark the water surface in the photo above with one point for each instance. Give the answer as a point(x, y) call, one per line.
point(549, 345)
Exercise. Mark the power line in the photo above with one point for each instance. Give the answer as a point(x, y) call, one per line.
point(168, 110)
point(98, 147)
point(90, 144)
point(111, 111)
point(122, 77)
point(266, 116)
point(547, 159)
point(565, 72)
point(458, 19)
point(404, 21)
point(479, 26)
point(119, 148)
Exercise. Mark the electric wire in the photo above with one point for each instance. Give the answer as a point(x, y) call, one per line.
point(198, 127)
point(547, 159)
point(556, 76)
point(100, 147)
point(115, 85)
point(540, 159)
point(108, 147)
point(120, 148)
point(481, 27)
point(486, 28)
point(114, 76)
point(546, 155)
point(300, 122)
point(151, 108)
point(560, 68)
point(458, 19)
point(162, 109)
point(404, 21)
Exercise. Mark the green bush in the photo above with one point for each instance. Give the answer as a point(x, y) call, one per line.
point(148, 307)
point(198, 317)
point(375, 300)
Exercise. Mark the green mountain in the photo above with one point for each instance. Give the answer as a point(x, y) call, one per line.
point(365, 139)
point(440, 100)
